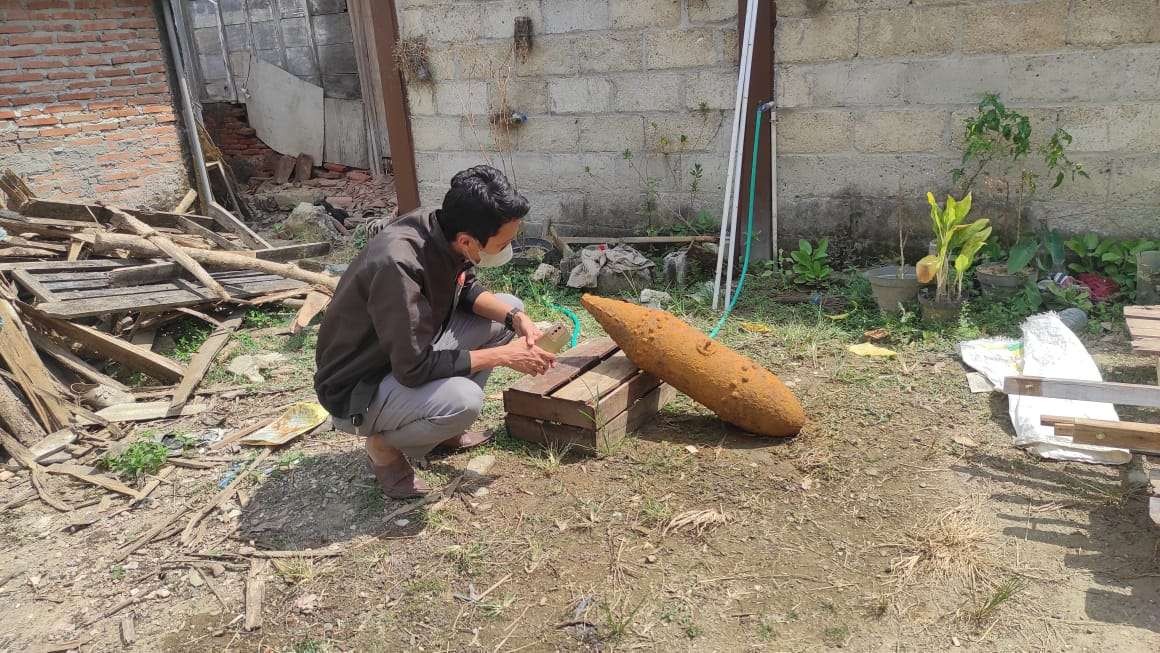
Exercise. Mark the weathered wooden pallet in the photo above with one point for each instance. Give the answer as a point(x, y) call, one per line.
point(1144, 327)
point(85, 290)
point(593, 398)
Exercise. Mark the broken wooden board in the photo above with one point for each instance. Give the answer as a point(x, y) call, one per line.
point(182, 294)
point(1125, 394)
point(204, 358)
point(151, 272)
point(1144, 327)
point(316, 302)
point(148, 410)
point(345, 133)
point(44, 392)
point(74, 363)
point(52, 443)
point(1137, 437)
point(90, 475)
point(106, 345)
point(255, 593)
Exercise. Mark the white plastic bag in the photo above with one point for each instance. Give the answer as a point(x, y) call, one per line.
point(1048, 349)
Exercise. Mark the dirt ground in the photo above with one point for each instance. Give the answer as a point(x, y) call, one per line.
point(900, 519)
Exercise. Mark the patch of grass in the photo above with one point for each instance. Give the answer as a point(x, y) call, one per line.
point(681, 616)
point(836, 635)
point(550, 457)
point(425, 586)
point(467, 559)
point(117, 572)
point(188, 336)
point(654, 512)
point(141, 458)
point(309, 646)
point(619, 617)
point(289, 459)
point(295, 570)
point(262, 318)
point(948, 546)
point(766, 630)
point(1002, 593)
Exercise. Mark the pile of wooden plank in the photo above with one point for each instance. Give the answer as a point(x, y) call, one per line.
point(83, 291)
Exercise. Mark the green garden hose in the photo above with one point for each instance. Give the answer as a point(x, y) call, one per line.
point(749, 225)
point(575, 323)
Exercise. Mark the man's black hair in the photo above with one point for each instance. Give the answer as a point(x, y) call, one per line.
point(480, 201)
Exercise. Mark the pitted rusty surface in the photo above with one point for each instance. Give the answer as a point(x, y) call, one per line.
point(739, 390)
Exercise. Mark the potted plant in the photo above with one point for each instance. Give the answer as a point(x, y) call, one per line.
point(894, 285)
point(997, 141)
point(958, 242)
point(1009, 272)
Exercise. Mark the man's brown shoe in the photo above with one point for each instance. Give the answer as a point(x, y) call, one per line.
point(398, 480)
point(466, 441)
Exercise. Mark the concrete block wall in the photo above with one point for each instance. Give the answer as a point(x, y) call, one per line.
point(85, 105)
point(873, 94)
point(629, 104)
point(311, 39)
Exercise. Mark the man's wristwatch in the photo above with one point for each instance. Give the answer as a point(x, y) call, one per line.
point(509, 320)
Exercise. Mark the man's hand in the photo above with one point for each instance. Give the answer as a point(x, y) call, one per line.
point(526, 329)
point(526, 358)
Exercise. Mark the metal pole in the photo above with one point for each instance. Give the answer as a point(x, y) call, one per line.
point(735, 206)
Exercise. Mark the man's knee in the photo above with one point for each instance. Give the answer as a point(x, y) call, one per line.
point(460, 401)
point(511, 300)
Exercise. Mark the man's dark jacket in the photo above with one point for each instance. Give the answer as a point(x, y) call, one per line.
point(391, 304)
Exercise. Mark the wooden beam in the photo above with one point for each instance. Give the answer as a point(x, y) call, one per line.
point(1126, 394)
point(74, 362)
point(204, 358)
point(385, 30)
point(32, 285)
point(214, 237)
point(135, 275)
point(178, 254)
point(186, 202)
point(103, 344)
point(22, 455)
point(230, 221)
point(89, 475)
point(1135, 436)
point(636, 240)
point(44, 392)
point(148, 410)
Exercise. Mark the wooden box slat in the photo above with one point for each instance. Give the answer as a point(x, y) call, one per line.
point(549, 433)
point(1144, 327)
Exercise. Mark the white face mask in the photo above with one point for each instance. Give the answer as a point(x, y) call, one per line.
point(495, 260)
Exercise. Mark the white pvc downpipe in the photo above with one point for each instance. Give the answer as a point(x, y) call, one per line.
point(773, 182)
point(728, 229)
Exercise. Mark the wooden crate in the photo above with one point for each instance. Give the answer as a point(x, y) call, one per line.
point(593, 398)
point(1144, 328)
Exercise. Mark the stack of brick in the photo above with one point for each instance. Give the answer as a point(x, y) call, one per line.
point(227, 125)
point(85, 105)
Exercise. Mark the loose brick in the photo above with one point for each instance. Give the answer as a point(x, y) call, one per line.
point(1026, 27)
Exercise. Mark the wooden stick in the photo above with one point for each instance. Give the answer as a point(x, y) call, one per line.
point(148, 537)
point(83, 474)
point(43, 391)
point(251, 552)
point(255, 593)
point(1128, 394)
point(638, 240)
point(23, 456)
point(16, 418)
point(74, 362)
point(204, 358)
point(166, 245)
point(221, 497)
point(104, 242)
point(186, 202)
point(240, 433)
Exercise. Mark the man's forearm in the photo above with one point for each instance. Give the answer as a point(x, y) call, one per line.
point(486, 359)
point(487, 305)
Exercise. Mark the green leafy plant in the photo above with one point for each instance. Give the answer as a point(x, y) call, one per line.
point(996, 143)
point(957, 243)
point(811, 264)
point(141, 458)
point(1045, 250)
point(1110, 257)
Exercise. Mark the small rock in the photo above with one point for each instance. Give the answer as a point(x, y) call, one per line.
point(35, 580)
point(6, 475)
point(483, 507)
point(250, 365)
point(363, 595)
point(289, 198)
point(964, 440)
point(306, 604)
point(335, 167)
point(402, 522)
point(956, 642)
point(480, 465)
point(217, 569)
point(871, 472)
point(131, 565)
point(655, 298)
point(547, 274)
point(195, 578)
point(480, 492)
point(162, 593)
point(650, 559)
point(341, 201)
point(691, 449)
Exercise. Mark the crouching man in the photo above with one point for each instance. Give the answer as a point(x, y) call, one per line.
point(410, 337)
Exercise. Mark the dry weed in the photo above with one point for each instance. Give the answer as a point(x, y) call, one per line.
point(951, 546)
point(696, 521)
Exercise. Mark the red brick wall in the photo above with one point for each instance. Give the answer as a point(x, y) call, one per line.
point(227, 125)
point(85, 105)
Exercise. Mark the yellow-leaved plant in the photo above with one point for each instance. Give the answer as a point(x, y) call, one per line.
point(957, 244)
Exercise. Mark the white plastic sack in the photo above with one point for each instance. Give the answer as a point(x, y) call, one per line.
point(620, 259)
point(1048, 349)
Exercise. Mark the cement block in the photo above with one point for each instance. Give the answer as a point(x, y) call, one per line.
point(575, 15)
point(826, 37)
point(453, 23)
point(233, 12)
point(731, 48)
point(531, 170)
point(212, 66)
point(1024, 27)
point(712, 11)
point(202, 14)
point(274, 57)
point(265, 35)
point(1043, 123)
point(411, 23)
point(207, 41)
point(873, 175)
point(684, 132)
point(290, 8)
point(634, 14)
point(1088, 127)
point(648, 92)
point(547, 134)
point(337, 59)
point(499, 19)
point(961, 80)
point(552, 55)
point(524, 94)
point(841, 84)
point(421, 99)
point(611, 133)
point(612, 52)
point(805, 131)
point(319, 7)
point(679, 48)
point(608, 171)
point(237, 37)
point(1094, 76)
point(295, 32)
point(1134, 128)
point(343, 86)
point(300, 62)
point(488, 60)
point(332, 28)
point(460, 98)
point(791, 87)
point(580, 95)
point(1093, 188)
point(1113, 22)
point(437, 134)
point(711, 89)
point(909, 31)
point(900, 131)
